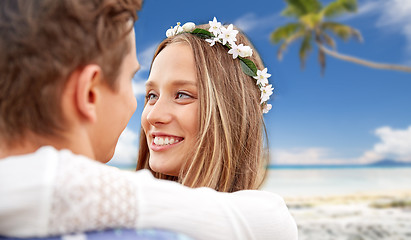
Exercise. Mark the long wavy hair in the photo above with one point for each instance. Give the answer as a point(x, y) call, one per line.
point(229, 154)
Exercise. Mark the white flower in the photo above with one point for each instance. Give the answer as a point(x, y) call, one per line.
point(214, 27)
point(245, 51)
point(228, 34)
point(266, 92)
point(178, 29)
point(267, 107)
point(212, 41)
point(262, 77)
point(170, 32)
point(235, 50)
point(189, 26)
point(240, 50)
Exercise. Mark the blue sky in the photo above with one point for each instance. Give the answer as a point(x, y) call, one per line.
point(352, 114)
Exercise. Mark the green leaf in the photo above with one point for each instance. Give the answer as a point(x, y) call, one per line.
point(290, 40)
point(328, 40)
point(283, 32)
point(202, 33)
point(298, 8)
point(248, 67)
point(321, 60)
point(305, 49)
point(339, 7)
point(343, 31)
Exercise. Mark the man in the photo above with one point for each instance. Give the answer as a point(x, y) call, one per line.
point(65, 97)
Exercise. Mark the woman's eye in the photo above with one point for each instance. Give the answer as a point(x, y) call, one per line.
point(181, 95)
point(151, 97)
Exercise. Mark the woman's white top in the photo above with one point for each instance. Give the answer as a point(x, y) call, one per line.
point(53, 192)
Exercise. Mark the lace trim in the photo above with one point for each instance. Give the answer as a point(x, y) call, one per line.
point(90, 196)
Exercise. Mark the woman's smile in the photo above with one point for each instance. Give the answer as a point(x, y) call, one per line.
point(170, 118)
point(163, 142)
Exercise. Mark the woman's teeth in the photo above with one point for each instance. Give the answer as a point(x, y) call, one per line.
point(161, 141)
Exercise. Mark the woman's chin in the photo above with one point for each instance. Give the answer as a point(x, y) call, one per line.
point(162, 168)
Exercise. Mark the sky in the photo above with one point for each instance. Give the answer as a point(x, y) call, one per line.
point(350, 115)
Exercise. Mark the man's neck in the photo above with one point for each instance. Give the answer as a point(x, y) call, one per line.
point(23, 147)
point(33, 143)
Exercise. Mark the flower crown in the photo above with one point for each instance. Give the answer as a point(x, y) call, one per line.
point(227, 37)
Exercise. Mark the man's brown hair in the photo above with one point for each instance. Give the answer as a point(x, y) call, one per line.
point(42, 42)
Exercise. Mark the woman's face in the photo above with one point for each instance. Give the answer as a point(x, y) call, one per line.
point(170, 117)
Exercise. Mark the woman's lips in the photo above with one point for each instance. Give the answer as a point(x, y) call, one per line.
point(164, 142)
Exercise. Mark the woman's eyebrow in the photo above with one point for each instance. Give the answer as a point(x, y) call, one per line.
point(150, 84)
point(173, 83)
point(184, 82)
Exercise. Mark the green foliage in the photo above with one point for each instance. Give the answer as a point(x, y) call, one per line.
point(285, 31)
point(202, 33)
point(248, 67)
point(297, 8)
point(345, 32)
point(321, 60)
point(305, 49)
point(325, 38)
point(311, 20)
point(288, 41)
point(312, 28)
point(339, 7)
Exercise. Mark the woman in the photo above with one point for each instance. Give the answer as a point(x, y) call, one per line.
point(202, 123)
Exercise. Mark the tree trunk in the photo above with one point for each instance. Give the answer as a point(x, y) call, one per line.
point(364, 62)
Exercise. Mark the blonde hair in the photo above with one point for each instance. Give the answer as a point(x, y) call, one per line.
point(229, 154)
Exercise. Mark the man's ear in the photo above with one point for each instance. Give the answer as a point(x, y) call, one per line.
point(87, 91)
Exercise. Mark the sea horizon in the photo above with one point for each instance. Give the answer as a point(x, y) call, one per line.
point(336, 166)
point(336, 180)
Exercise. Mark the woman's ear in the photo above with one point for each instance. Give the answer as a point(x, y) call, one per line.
point(87, 91)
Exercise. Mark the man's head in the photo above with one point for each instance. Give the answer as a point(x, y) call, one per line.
point(60, 62)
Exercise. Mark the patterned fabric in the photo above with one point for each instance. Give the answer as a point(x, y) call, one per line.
point(119, 234)
point(91, 197)
point(54, 192)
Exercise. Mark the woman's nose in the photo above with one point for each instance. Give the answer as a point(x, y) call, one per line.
point(160, 112)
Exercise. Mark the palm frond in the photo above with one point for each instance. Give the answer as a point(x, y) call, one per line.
point(311, 20)
point(298, 8)
point(343, 31)
point(321, 60)
point(324, 37)
point(339, 7)
point(305, 49)
point(288, 41)
point(283, 32)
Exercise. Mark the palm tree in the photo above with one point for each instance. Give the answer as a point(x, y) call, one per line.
point(314, 25)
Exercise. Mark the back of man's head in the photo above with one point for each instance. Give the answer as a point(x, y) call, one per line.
point(41, 43)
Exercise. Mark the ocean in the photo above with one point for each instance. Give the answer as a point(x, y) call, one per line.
point(337, 181)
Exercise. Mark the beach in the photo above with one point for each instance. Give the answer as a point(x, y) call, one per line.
point(348, 208)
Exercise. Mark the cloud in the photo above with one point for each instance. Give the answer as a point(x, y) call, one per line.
point(126, 149)
point(250, 22)
point(145, 57)
point(364, 9)
point(139, 87)
point(396, 15)
point(394, 144)
point(392, 15)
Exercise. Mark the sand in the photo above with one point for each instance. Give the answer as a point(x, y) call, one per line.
point(362, 216)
